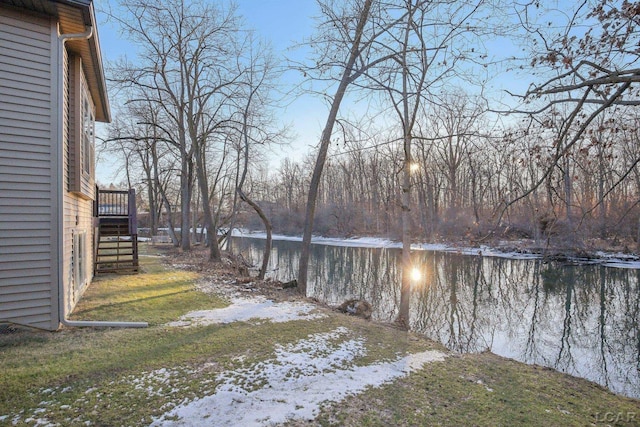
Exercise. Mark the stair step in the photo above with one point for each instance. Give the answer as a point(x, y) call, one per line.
point(116, 244)
point(117, 249)
point(118, 270)
point(109, 257)
point(130, 261)
point(121, 261)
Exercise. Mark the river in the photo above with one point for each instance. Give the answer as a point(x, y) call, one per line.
point(578, 319)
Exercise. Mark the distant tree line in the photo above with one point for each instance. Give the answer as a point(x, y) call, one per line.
point(464, 180)
point(558, 164)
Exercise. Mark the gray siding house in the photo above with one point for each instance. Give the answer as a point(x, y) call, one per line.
point(52, 89)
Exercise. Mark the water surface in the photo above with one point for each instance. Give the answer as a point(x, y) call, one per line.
point(578, 319)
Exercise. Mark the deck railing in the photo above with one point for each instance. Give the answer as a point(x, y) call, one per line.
point(117, 203)
point(116, 239)
point(113, 203)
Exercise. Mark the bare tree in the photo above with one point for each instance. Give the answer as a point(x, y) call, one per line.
point(350, 28)
point(256, 124)
point(181, 69)
point(589, 67)
point(423, 49)
point(148, 162)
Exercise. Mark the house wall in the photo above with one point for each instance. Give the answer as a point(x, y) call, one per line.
point(28, 170)
point(42, 183)
point(78, 208)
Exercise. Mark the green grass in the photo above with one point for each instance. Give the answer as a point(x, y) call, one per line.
point(86, 359)
point(485, 390)
point(156, 296)
point(72, 361)
point(114, 376)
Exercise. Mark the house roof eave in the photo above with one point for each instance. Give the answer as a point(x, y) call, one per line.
point(74, 17)
point(98, 69)
point(89, 50)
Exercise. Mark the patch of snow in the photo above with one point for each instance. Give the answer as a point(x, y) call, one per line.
point(619, 260)
point(622, 264)
point(617, 255)
point(294, 384)
point(243, 309)
point(481, 251)
point(378, 242)
point(360, 242)
point(614, 260)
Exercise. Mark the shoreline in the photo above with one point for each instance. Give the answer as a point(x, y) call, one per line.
point(504, 249)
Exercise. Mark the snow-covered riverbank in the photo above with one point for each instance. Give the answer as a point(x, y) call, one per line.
point(608, 259)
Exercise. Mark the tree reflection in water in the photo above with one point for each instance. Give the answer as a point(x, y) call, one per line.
point(582, 320)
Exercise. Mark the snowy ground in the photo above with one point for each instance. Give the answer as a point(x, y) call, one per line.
point(608, 259)
point(616, 260)
point(294, 384)
point(297, 382)
point(256, 308)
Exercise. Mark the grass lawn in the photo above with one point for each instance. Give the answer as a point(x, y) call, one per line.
point(108, 377)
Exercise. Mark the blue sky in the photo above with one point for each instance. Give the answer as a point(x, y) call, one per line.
point(282, 23)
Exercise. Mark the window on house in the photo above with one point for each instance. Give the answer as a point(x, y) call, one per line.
point(80, 259)
point(88, 123)
point(81, 135)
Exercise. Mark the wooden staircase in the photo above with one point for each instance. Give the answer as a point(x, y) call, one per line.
point(116, 243)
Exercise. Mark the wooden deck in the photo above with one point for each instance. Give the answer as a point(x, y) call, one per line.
point(116, 244)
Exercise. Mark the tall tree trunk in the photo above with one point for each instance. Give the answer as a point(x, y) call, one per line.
point(147, 166)
point(405, 215)
point(267, 224)
point(212, 235)
point(424, 209)
point(234, 208)
point(165, 200)
point(153, 208)
point(602, 209)
point(568, 191)
point(168, 211)
point(194, 219)
point(408, 118)
point(325, 140)
point(185, 203)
